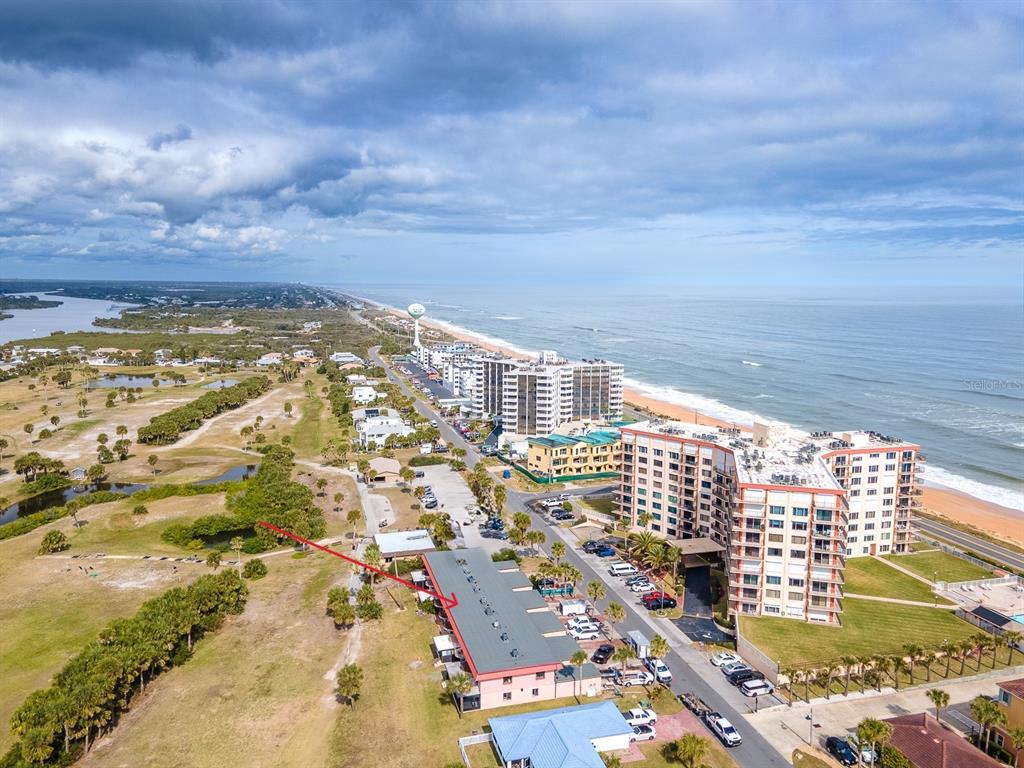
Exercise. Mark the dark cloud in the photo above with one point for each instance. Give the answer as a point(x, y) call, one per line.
point(180, 133)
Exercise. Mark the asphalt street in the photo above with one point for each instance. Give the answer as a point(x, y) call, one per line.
point(968, 542)
point(690, 670)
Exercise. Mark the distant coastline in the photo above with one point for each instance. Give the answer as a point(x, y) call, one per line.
point(952, 502)
point(71, 314)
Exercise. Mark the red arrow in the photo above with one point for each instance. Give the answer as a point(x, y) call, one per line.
point(447, 602)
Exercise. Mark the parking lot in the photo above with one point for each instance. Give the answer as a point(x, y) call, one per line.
point(419, 379)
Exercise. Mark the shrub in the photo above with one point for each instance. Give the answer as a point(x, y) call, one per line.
point(140, 509)
point(53, 541)
point(506, 554)
point(427, 460)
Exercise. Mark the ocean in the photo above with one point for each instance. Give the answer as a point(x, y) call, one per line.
point(945, 374)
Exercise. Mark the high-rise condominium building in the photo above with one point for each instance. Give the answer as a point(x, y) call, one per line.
point(535, 398)
point(788, 509)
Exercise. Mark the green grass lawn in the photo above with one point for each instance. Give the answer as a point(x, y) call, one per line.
point(940, 565)
point(868, 576)
point(604, 506)
point(868, 628)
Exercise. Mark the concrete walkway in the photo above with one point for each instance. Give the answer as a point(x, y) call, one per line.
point(909, 573)
point(899, 601)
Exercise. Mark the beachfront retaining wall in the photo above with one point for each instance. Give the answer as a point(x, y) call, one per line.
point(753, 655)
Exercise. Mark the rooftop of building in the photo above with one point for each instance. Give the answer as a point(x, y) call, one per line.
point(927, 744)
point(558, 738)
point(597, 437)
point(854, 438)
point(1014, 687)
point(491, 620)
point(771, 454)
point(397, 543)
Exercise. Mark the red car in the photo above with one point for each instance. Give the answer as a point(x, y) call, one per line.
point(650, 597)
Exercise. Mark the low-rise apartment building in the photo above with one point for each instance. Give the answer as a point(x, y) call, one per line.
point(377, 429)
point(510, 642)
point(556, 456)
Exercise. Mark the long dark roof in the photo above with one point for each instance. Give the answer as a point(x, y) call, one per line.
point(495, 631)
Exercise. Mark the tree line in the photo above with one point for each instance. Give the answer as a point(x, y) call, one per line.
point(56, 725)
point(270, 495)
point(167, 427)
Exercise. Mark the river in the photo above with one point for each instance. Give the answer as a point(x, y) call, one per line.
point(73, 315)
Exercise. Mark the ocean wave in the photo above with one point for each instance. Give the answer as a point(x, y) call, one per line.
point(507, 317)
point(751, 362)
point(706, 405)
point(586, 328)
point(763, 396)
point(1006, 497)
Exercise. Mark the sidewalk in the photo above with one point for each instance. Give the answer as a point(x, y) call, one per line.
point(899, 601)
point(788, 728)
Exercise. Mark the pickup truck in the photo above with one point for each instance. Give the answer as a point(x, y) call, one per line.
point(724, 730)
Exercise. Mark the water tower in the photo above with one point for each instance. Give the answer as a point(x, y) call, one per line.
point(416, 311)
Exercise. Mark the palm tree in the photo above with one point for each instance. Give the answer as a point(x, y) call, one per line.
point(659, 647)
point(848, 662)
point(557, 551)
point(236, 544)
point(615, 613)
point(912, 654)
point(622, 655)
point(964, 649)
point(1013, 641)
point(578, 659)
point(882, 665)
point(940, 699)
point(995, 643)
point(459, 685)
point(875, 733)
point(349, 679)
point(987, 714)
point(826, 674)
point(689, 750)
point(899, 666)
point(595, 591)
point(644, 543)
point(500, 495)
point(948, 648)
point(864, 662)
point(1017, 737)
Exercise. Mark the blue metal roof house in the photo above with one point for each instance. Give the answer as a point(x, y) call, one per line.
point(570, 737)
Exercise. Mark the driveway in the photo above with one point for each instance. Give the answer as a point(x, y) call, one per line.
point(669, 728)
point(697, 597)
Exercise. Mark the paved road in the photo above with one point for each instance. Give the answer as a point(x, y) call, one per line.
point(973, 543)
point(691, 671)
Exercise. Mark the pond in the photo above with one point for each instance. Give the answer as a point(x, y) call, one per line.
point(116, 381)
point(62, 496)
point(220, 384)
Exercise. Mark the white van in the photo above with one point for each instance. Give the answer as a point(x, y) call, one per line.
point(623, 569)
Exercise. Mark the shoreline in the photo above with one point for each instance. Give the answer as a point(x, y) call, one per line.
point(988, 516)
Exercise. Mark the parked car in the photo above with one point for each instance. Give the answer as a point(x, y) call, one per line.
point(641, 579)
point(757, 688)
point(609, 673)
point(728, 669)
point(432, 504)
point(581, 620)
point(643, 733)
point(659, 669)
point(867, 752)
point(592, 545)
point(643, 588)
point(420, 473)
point(841, 750)
point(725, 657)
point(563, 516)
point(659, 603)
point(604, 551)
point(603, 653)
point(641, 716)
point(724, 730)
point(588, 633)
point(744, 675)
point(633, 677)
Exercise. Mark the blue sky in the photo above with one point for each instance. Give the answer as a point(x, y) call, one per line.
point(705, 142)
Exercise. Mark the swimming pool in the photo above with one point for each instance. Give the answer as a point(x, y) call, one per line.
point(1019, 618)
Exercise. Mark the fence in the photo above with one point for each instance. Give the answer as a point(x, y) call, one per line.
point(951, 550)
point(467, 741)
point(754, 656)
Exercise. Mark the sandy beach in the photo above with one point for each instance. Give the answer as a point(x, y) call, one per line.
point(991, 518)
point(994, 519)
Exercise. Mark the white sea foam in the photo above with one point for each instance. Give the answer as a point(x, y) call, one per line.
point(934, 475)
point(507, 317)
point(1006, 497)
point(705, 405)
point(763, 396)
point(751, 362)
